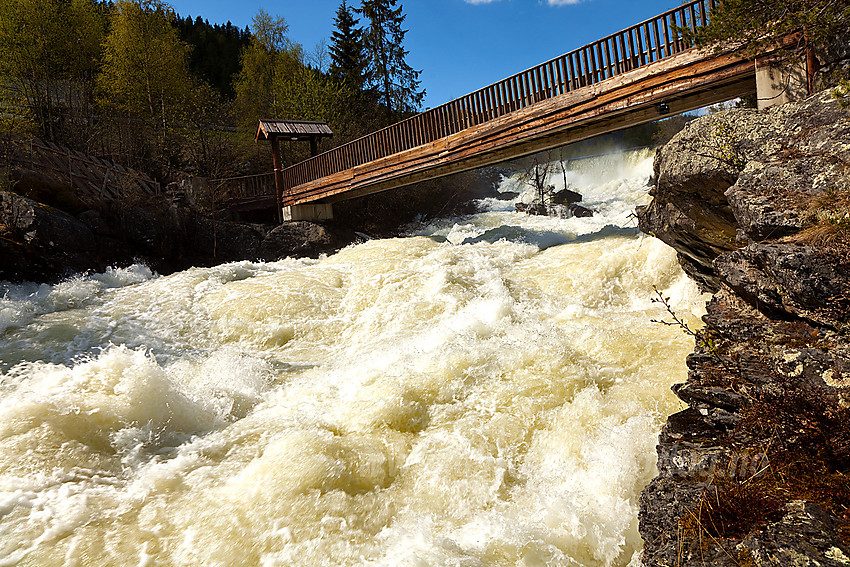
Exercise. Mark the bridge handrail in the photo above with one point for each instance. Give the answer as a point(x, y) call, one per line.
point(608, 57)
point(244, 186)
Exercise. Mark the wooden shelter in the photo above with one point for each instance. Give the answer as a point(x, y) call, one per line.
point(276, 130)
point(294, 131)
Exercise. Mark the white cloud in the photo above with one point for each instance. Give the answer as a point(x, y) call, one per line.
point(480, 1)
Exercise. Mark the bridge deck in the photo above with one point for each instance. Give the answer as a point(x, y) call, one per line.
point(608, 85)
point(549, 124)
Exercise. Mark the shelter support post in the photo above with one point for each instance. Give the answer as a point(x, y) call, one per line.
point(278, 175)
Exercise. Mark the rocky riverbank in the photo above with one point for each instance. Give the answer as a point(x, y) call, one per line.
point(41, 242)
point(48, 233)
point(756, 471)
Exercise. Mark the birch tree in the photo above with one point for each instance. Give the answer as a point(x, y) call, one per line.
point(145, 68)
point(50, 51)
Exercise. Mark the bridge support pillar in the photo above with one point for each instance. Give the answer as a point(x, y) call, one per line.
point(310, 212)
point(780, 80)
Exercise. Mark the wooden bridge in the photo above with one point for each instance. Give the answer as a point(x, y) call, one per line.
point(628, 78)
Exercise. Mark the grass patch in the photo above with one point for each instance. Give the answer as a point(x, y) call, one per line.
point(806, 457)
point(829, 214)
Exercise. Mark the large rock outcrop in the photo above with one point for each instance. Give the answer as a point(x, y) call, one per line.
point(41, 240)
point(755, 471)
point(746, 176)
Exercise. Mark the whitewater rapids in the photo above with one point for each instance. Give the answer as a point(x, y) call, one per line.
point(485, 391)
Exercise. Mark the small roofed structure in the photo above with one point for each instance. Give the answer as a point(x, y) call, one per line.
point(290, 131)
point(293, 131)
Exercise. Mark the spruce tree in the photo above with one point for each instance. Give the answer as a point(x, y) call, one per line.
point(388, 73)
point(348, 56)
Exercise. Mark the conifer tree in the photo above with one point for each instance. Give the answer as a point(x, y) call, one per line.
point(215, 52)
point(348, 56)
point(388, 73)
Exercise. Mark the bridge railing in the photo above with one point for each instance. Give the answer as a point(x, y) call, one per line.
point(244, 187)
point(639, 45)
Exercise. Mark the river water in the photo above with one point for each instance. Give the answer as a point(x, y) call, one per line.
point(485, 391)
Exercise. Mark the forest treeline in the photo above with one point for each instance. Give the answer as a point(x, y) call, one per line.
point(137, 83)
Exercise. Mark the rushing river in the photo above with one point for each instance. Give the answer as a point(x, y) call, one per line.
point(485, 391)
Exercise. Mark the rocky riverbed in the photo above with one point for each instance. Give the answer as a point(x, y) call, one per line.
point(755, 470)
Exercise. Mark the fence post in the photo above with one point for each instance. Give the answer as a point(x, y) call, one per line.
point(105, 179)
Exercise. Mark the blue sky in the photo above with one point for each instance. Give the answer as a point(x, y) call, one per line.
point(459, 45)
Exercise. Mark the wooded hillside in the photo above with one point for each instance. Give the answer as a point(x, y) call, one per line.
point(137, 83)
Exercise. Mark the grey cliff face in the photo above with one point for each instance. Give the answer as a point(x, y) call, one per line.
point(742, 176)
point(752, 473)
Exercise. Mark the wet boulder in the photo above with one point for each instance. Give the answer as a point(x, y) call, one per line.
point(566, 197)
point(302, 238)
point(39, 242)
point(579, 211)
point(554, 210)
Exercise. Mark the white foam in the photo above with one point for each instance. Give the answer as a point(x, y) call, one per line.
point(488, 391)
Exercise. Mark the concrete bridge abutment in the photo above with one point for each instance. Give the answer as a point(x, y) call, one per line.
point(780, 80)
point(313, 212)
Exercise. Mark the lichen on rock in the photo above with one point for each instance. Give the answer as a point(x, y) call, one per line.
point(757, 470)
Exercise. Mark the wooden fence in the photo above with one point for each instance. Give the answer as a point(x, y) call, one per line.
point(93, 178)
point(639, 45)
point(243, 188)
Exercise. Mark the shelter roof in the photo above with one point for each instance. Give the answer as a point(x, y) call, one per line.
point(293, 130)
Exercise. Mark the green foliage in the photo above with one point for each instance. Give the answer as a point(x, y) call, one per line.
point(268, 62)
point(842, 93)
point(726, 148)
point(270, 31)
point(253, 84)
point(216, 50)
point(145, 69)
point(760, 22)
point(50, 52)
point(160, 117)
point(276, 82)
